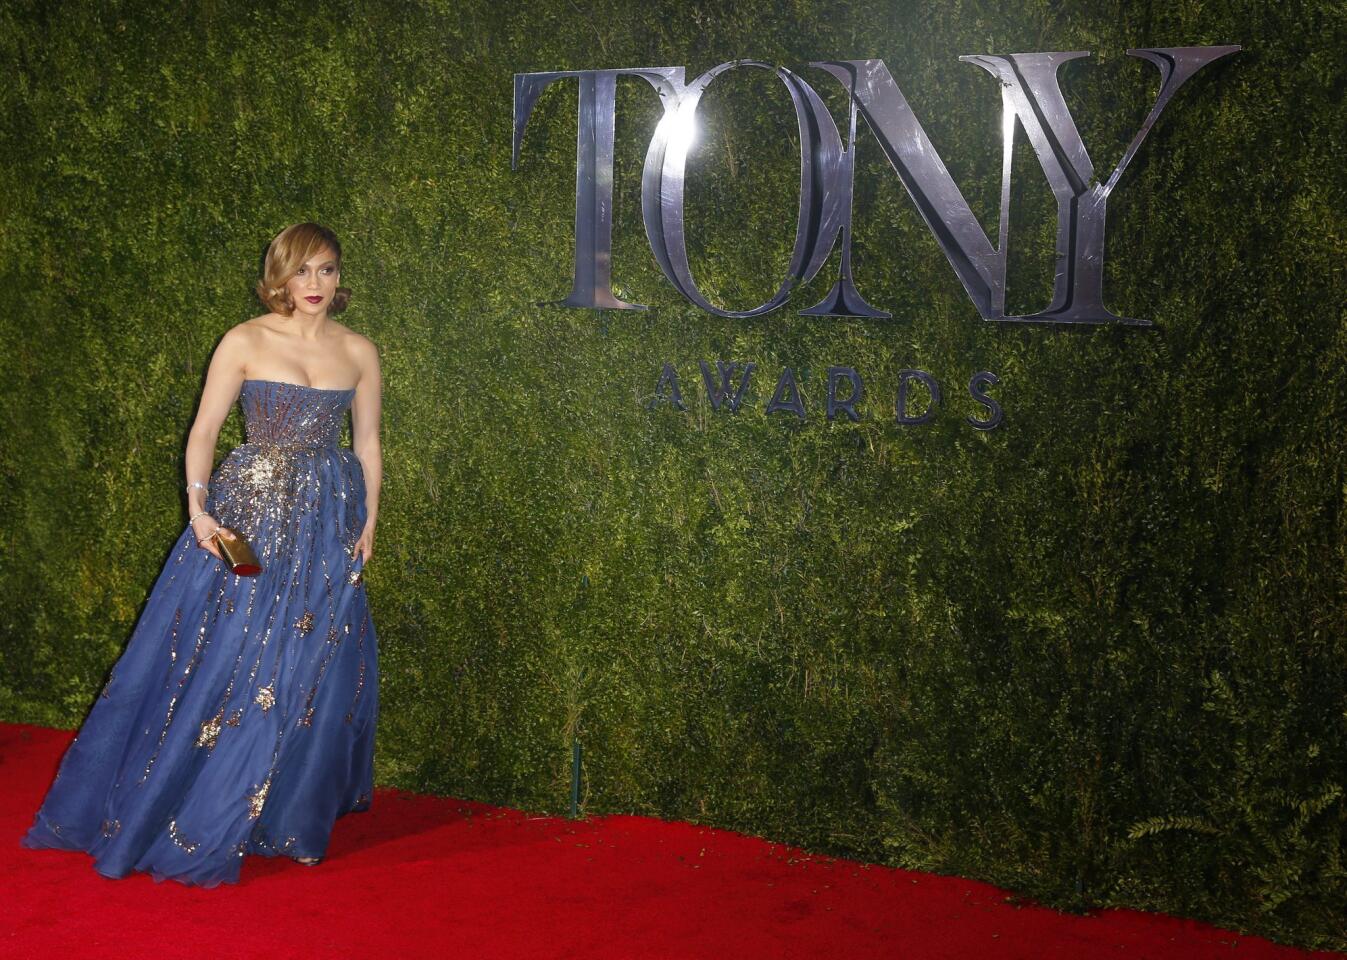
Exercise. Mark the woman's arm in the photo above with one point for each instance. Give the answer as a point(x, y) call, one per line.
point(366, 411)
point(223, 380)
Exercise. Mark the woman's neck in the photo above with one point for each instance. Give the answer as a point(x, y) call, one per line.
point(307, 327)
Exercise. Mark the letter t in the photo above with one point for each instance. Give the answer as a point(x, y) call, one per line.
point(592, 279)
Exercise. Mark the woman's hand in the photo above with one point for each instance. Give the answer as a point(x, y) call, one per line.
point(204, 526)
point(366, 542)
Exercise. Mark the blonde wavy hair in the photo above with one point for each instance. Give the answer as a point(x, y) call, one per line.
point(286, 253)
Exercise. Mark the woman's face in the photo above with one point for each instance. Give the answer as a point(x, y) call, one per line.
point(314, 283)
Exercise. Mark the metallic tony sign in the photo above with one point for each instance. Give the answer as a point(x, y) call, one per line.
point(1029, 94)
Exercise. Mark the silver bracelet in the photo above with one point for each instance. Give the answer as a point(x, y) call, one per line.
point(199, 485)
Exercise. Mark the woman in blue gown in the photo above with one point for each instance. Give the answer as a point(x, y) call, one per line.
point(241, 716)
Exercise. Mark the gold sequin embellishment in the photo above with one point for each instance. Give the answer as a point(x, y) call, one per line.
point(257, 800)
point(265, 698)
point(179, 839)
point(264, 469)
point(210, 731)
point(305, 623)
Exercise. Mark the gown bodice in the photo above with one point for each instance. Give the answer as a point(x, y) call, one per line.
point(281, 413)
point(291, 465)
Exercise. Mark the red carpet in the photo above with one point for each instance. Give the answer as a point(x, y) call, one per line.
point(419, 876)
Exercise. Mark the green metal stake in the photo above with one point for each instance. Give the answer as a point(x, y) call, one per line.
point(575, 778)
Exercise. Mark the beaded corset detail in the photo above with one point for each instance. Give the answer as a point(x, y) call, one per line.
point(291, 413)
point(290, 466)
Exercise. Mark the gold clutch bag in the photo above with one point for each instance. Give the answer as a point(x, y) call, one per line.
point(237, 553)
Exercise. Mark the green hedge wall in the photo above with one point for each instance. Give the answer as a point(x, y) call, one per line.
point(1098, 655)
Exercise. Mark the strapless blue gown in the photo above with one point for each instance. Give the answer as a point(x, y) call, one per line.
point(240, 718)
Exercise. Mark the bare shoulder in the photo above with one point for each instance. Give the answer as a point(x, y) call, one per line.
point(354, 340)
point(239, 339)
point(360, 349)
point(250, 329)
